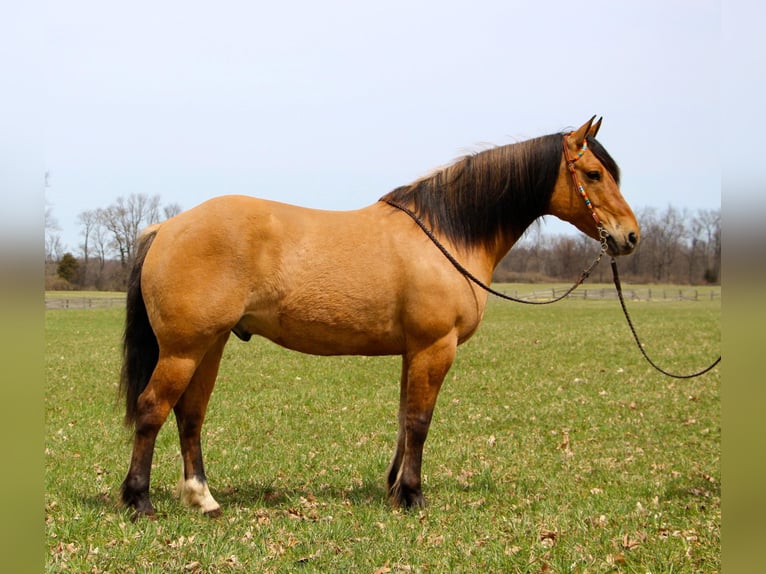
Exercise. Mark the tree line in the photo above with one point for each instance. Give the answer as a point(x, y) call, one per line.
point(677, 246)
point(102, 260)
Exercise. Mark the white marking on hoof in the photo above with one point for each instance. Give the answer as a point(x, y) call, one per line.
point(195, 493)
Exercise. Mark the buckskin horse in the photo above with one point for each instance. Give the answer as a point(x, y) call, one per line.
point(362, 282)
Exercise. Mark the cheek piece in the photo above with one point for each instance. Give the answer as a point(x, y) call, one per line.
point(602, 233)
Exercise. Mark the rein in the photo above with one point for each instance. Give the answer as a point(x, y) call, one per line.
point(468, 275)
point(618, 286)
point(603, 236)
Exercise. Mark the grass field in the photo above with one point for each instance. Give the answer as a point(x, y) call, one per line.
point(554, 448)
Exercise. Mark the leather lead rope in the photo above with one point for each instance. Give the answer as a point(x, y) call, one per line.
point(470, 276)
point(618, 286)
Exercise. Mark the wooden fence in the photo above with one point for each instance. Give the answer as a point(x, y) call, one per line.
point(84, 302)
point(642, 294)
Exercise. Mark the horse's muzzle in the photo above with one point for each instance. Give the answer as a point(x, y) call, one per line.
point(623, 244)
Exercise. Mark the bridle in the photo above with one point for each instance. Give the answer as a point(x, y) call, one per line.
point(603, 237)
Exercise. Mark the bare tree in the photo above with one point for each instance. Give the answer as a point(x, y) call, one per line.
point(676, 245)
point(709, 222)
point(125, 218)
point(171, 210)
point(537, 245)
point(693, 250)
point(112, 218)
point(565, 255)
point(89, 221)
point(53, 247)
point(662, 236)
point(111, 232)
point(100, 244)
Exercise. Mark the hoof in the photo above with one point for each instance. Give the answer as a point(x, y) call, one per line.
point(194, 493)
point(140, 515)
point(407, 498)
point(140, 502)
point(414, 502)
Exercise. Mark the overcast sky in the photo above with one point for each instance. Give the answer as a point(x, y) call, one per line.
point(332, 104)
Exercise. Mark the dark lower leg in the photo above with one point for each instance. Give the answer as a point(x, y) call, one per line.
point(190, 414)
point(407, 489)
point(396, 463)
point(193, 489)
point(135, 487)
point(189, 430)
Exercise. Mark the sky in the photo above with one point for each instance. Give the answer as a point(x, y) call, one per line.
point(332, 104)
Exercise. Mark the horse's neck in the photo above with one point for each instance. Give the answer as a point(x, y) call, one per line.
point(500, 247)
point(482, 260)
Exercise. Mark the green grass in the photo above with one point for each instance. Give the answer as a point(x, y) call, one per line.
point(554, 448)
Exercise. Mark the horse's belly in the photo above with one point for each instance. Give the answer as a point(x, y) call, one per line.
point(319, 330)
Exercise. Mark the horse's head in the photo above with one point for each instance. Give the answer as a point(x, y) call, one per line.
point(587, 192)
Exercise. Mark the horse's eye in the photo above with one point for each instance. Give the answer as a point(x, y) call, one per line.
point(594, 175)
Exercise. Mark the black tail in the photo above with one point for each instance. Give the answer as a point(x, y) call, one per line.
point(139, 345)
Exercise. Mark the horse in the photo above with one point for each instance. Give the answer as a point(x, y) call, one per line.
point(362, 282)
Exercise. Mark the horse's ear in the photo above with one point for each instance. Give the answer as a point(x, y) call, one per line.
point(595, 127)
point(578, 137)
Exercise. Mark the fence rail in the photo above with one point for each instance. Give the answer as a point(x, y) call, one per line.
point(643, 294)
point(84, 302)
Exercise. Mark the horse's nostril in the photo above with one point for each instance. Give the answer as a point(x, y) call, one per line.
point(632, 238)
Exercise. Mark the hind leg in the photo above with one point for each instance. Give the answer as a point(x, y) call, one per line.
point(190, 413)
point(169, 379)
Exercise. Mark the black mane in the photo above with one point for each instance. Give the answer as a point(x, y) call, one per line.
point(502, 188)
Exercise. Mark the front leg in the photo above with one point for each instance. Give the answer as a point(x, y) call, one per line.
point(422, 375)
point(407, 490)
point(396, 463)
